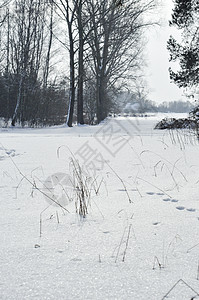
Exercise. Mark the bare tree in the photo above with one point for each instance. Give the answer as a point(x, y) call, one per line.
point(26, 39)
point(106, 35)
point(115, 43)
point(49, 47)
point(80, 25)
point(68, 10)
point(4, 21)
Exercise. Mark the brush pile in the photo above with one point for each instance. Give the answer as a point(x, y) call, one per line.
point(192, 122)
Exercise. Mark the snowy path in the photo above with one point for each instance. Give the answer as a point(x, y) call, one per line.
point(157, 235)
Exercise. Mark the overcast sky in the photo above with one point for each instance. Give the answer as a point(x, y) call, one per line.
point(157, 59)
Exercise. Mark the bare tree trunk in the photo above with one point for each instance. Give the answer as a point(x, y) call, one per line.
point(98, 100)
point(46, 69)
point(8, 41)
point(68, 9)
point(17, 108)
point(72, 79)
point(101, 97)
point(8, 64)
point(80, 117)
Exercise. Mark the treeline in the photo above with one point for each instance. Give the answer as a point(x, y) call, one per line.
point(175, 106)
point(100, 41)
point(27, 95)
point(138, 102)
point(38, 106)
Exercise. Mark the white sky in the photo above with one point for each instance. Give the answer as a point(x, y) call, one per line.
point(157, 57)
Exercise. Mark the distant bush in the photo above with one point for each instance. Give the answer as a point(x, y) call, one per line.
point(192, 122)
point(172, 123)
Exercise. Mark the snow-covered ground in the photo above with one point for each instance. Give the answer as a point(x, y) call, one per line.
point(134, 244)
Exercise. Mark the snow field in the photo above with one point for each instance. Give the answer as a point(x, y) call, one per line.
point(121, 250)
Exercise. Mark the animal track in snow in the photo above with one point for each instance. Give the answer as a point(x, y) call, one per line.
point(167, 199)
point(156, 223)
point(150, 193)
point(188, 209)
point(171, 200)
point(191, 209)
point(180, 207)
point(5, 153)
